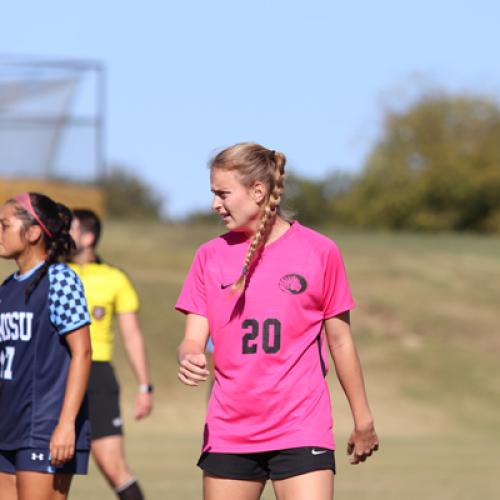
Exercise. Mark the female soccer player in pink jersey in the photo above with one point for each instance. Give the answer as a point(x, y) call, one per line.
point(265, 292)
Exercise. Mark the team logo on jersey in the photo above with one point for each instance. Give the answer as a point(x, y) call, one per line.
point(293, 284)
point(98, 312)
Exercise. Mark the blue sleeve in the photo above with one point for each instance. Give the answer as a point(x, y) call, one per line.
point(67, 303)
point(210, 345)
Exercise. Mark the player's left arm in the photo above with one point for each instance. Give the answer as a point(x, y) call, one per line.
point(62, 441)
point(363, 440)
point(133, 342)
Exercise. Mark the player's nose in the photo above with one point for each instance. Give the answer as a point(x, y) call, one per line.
point(216, 203)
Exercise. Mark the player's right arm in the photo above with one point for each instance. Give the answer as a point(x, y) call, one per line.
point(190, 354)
point(62, 441)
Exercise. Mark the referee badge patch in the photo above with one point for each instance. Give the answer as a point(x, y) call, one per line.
point(98, 312)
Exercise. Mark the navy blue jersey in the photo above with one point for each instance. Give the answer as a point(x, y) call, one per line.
point(34, 356)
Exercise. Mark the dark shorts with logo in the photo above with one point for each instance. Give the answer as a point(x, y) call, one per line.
point(275, 465)
point(104, 401)
point(38, 460)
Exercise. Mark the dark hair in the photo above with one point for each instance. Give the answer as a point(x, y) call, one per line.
point(89, 222)
point(57, 218)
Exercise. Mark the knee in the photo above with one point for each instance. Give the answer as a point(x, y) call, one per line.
point(116, 471)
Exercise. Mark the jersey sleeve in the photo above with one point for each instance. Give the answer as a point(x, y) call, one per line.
point(337, 296)
point(126, 299)
point(67, 303)
point(192, 298)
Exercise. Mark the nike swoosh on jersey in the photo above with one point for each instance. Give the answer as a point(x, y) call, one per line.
point(223, 287)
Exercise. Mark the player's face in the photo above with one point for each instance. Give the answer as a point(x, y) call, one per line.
point(83, 239)
point(76, 233)
point(240, 208)
point(12, 240)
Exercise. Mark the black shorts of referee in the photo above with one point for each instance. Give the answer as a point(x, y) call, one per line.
point(104, 401)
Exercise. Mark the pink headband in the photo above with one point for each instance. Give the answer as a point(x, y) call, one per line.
point(25, 201)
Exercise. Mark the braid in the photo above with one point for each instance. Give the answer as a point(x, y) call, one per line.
point(277, 163)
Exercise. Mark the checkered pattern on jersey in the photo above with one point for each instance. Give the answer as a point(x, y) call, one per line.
point(67, 303)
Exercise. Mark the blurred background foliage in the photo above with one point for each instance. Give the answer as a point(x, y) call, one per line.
point(127, 196)
point(436, 166)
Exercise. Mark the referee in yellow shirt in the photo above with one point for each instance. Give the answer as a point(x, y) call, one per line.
point(109, 293)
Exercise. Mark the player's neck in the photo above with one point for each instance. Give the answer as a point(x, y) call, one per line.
point(84, 256)
point(279, 228)
point(29, 259)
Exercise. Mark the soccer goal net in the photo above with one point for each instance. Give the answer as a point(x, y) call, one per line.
point(51, 119)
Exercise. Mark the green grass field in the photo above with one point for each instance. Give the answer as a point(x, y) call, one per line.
point(427, 329)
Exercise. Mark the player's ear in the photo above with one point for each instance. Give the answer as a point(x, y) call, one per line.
point(87, 239)
point(33, 233)
point(258, 192)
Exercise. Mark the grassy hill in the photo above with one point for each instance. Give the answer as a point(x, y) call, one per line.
point(427, 329)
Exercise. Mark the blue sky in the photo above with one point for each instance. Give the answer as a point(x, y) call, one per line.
point(308, 78)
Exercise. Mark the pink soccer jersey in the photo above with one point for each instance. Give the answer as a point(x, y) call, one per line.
point(270, 357)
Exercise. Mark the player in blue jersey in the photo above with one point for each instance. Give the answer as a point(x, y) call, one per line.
point(45, 354)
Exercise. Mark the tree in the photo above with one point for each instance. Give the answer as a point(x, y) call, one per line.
point(128, 197)
point(317, 202)
point(437, 166)
point(304, 199)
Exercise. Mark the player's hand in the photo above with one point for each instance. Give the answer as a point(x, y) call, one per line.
point(143, 405)
point(362, 443)
point(62, 443)
point(193, 369)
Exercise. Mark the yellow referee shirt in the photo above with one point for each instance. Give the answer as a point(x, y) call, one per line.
point(108, 292)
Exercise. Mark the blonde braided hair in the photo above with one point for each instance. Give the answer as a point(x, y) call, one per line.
point(254, 162)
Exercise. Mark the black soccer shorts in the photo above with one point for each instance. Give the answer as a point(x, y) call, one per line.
point(104, 401)
point(278, 464)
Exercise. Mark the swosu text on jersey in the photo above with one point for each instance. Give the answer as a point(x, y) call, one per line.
point(15, 326)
